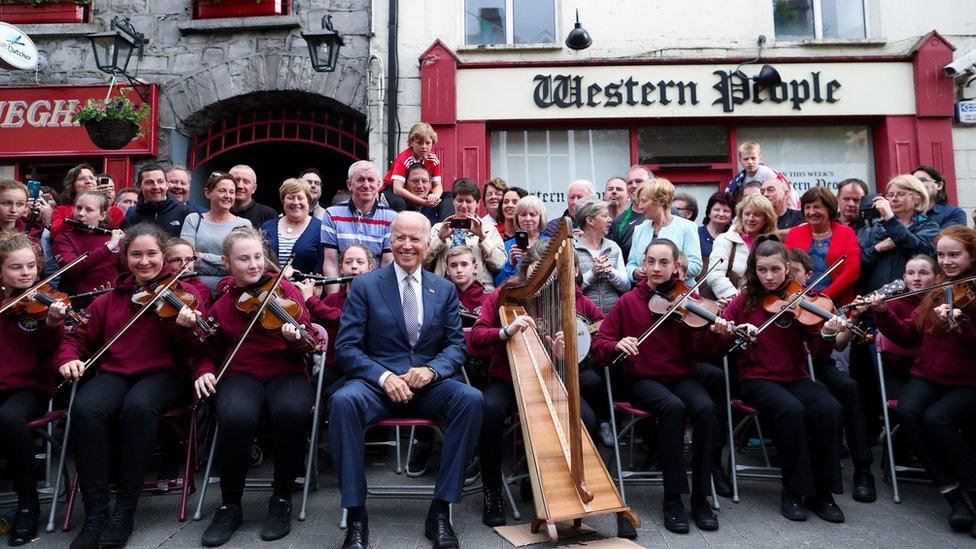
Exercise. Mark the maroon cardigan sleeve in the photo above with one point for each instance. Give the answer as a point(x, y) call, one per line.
point(483, 336)
point(604, 344)
point(899, 330)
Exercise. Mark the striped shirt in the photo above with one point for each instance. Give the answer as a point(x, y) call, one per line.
point(285, 245)
point(343, 226)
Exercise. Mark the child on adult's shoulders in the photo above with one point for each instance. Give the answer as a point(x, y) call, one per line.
point(420, 144)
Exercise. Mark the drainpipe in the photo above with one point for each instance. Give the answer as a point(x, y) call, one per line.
point(392, 85)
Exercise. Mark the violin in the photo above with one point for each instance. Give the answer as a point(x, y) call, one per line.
point(958, 296)
point(279, 311)
point(169, 305)
point(811, 310)
point(695, 311)
point(86, 227)
point(39, 302)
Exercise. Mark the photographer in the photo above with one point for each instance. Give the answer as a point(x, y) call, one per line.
point(465, 228)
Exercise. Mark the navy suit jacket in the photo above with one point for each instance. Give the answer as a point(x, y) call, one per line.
point(373, 336)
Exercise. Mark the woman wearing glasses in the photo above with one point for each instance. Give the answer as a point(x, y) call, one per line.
point(902, 232)
point(943, 214)
point(206, 232)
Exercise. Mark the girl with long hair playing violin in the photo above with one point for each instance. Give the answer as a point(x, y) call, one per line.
point(269, 372)
point(661, 373)
point(142, 376)
point(101, 267)
point(773, 377)
point(941, 393)
point(26, 345)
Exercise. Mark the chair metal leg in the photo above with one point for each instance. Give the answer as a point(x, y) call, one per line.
point(313, 443)
point(61, 461)
point(343, 519)
point(511, 501)
point(396, 445)
point(188, 466)
point(198, 514)
point(413, 432)
point(728, 414)
point(896, 495)
point(616, 441)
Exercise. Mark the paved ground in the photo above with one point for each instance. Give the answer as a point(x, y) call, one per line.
point(754, 523)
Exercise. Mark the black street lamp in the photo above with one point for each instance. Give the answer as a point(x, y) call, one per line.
point(578, 38)
point(113, 49)
point(323, 46)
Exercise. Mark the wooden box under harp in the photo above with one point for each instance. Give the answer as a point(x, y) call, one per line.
point(569, 479)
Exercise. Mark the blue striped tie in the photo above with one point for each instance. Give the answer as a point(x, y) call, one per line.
point(411, 311)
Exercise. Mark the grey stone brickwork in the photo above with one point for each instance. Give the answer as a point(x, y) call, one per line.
point(201, 63)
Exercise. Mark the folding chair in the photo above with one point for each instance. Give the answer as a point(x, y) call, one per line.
point(184, 482)
point(311, 470)
point(764, 472)
point(635, 416)
point(884, 345)
point(44, 428)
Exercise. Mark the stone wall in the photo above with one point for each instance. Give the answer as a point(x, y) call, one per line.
point(199, 63)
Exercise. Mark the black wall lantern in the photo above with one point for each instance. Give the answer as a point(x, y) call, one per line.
point(578, 38)
point(768, 76)
point(113, 49)
point(323, 46)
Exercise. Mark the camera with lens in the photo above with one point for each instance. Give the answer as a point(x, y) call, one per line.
point(868, 211)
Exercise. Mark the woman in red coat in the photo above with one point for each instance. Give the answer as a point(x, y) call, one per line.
point(826, 241)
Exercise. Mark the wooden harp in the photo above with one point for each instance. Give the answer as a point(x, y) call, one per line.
point(569, 479)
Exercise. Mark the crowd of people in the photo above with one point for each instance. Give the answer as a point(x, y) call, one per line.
point(422, 264)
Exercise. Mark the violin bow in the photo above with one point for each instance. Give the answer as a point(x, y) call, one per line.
point(98, 354)
point(254, 319)
point(949, 283)
point(740, 344)
point(34, 288)
point(677, 305)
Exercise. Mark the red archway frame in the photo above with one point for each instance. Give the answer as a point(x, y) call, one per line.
point(336, 132)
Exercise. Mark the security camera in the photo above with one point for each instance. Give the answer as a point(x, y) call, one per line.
point(962, 66)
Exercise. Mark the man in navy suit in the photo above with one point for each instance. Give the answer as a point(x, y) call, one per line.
point(401, 344)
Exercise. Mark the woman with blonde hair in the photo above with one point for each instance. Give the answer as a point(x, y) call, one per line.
point(530, 218)
point(654, 198)
point(296, 233)
point(755, 217)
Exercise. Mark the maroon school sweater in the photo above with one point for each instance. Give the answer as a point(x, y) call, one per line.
point(327, 312)
point(150, 345)
point(670, 352)
point(101, 267)
point(945, 358)
point(472, 297)
point(265, 353)
point(483, 340)
point(27, 347)
point(779, 353)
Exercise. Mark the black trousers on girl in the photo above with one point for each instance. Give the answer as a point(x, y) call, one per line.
point(931, 415)
point(671, 403)
point(17, 408)
point(806, 421)
point(500, 403)
point(139, 401)
point(241, 399)
point(849, 394)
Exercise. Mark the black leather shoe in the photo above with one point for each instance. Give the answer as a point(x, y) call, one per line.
point(357, 535)
point(117, 530)
point(24, 527)
point(226, 520)
point(624, 528)
point(826, 508)
point(278, 523)
point(864, 490)
point(493, 513)
point(701, 513)
point(438, 529)
point(723, 484)
point(961, 516)
point(791, 507)
point(675, 518)
point(419, 456)
point(87, 538)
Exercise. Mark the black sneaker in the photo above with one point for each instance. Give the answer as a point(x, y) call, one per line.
point(961, 516)
point(702, 514)
point(675, 517)
point(493, 513)
point(278, 523)
point(723, 484)
point(419, 456)
point(791, 507)
point(864, 489)
point(826, 508)
point(87, 538)
point(227, 519)
point(117, 530)
point(24, 527)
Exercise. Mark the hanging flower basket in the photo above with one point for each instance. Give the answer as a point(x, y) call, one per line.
point(111, 134)
point(112, 123)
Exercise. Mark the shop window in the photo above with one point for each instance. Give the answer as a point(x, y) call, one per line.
point(815, 155)
point(217, 9)
point(545, 162)
point(819, 19)
point(683, 145)
point(488, 22)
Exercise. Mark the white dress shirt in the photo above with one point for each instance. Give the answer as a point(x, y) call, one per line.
point(416, 284)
